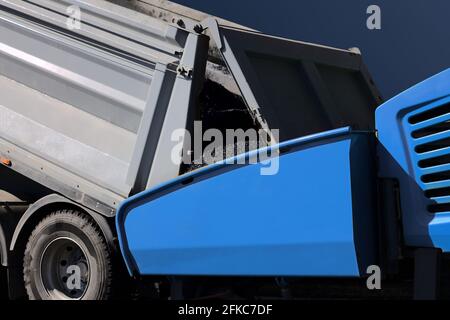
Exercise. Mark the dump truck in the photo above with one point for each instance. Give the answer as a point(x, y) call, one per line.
point(95, 203)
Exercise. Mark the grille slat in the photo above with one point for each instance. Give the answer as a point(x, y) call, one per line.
point(434, 110)
point(431, 122)
point(437, 193)
point(437, 184)
point(434, 153)
point(436, 169)
point(435, 177)
point(433, 138)
point(436, 128)
point(435, 161)
point(441, 200)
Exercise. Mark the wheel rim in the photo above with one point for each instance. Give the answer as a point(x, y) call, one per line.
point(65, 270)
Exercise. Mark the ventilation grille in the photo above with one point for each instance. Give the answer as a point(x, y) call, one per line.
point(430, 132)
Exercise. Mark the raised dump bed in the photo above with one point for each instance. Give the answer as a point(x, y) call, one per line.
point(88, 107)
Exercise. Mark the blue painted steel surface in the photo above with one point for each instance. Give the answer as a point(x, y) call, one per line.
point(230, 220)
point(412, 131)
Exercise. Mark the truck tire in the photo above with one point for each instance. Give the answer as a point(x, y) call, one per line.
point(67, 258)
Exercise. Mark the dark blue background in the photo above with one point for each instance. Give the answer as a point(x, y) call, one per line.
point(413, 44)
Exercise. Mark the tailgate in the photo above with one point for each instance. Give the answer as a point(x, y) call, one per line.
point(297, 87)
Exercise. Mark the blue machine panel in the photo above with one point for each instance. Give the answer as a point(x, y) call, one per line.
point(414, 147)
point(306, 220)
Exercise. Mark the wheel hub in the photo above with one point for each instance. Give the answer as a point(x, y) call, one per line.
point(65, 269)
